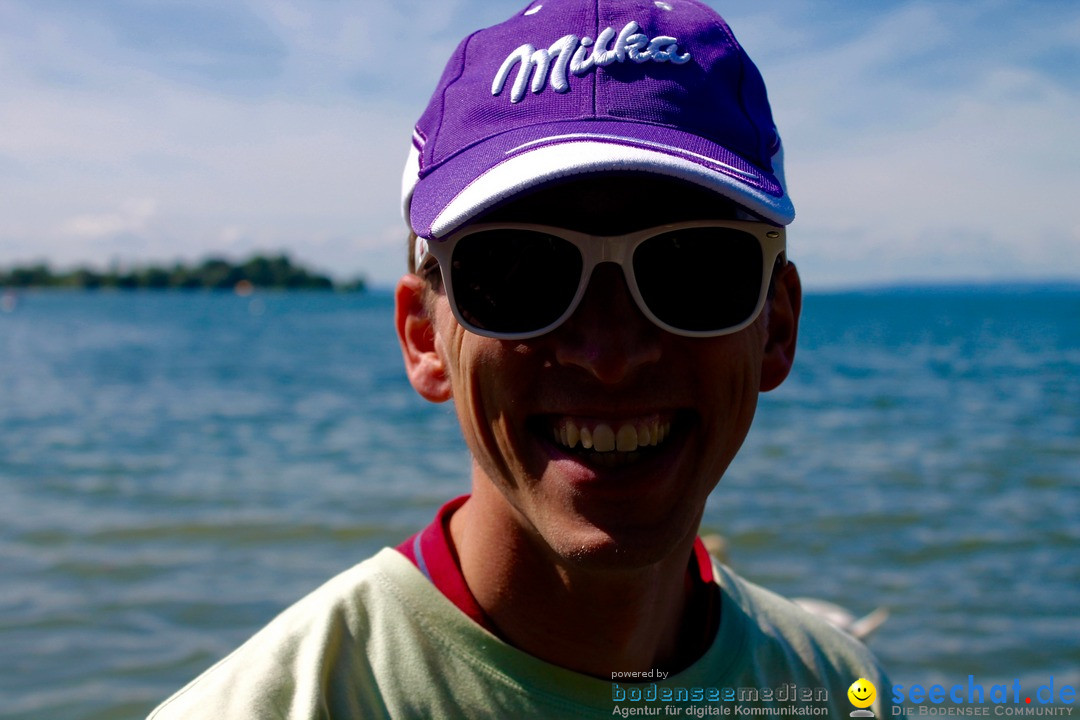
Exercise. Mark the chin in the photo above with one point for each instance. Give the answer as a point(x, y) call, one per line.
point(620, 547)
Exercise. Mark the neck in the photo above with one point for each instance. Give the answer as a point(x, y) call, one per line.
point(594, 621)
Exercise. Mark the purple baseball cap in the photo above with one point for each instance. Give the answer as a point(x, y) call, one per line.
point(568, 87)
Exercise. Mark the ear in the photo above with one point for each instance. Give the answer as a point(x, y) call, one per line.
point(783, 327)
point(424, 365)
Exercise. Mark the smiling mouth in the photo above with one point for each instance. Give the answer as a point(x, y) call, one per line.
point(611, 443)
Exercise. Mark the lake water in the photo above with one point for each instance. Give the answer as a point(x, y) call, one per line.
point(175, 469)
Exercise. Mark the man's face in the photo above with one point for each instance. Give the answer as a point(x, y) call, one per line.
point(610, 373)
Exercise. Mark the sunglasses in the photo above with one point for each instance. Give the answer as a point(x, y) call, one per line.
point(515, 281)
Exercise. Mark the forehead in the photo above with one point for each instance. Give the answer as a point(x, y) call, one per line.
point(613, 204)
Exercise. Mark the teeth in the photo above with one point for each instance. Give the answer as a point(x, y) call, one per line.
point(627, 439)
point(572, 435)
point(604, 438)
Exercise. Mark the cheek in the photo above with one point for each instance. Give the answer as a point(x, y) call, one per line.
point(488, 384)
point(736, 407)
point(729, 381)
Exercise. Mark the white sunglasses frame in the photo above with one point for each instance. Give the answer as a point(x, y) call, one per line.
point(596, 249)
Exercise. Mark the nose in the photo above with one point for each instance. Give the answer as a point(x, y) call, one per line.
point(608, 336)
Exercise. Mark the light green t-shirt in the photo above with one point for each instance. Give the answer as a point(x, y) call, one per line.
point(380, 641)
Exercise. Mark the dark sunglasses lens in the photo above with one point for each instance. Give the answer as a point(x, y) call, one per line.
point(700, 279)
point(514, 281)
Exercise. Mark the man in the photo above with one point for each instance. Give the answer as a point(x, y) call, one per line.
point(600, 286)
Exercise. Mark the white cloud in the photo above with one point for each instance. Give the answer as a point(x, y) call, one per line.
point(131, 218)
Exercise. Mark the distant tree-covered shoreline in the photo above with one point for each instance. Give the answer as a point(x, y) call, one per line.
point(270, 273)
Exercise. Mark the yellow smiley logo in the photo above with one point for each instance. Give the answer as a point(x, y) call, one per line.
point(862, 693)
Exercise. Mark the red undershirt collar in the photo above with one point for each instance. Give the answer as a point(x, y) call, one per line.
point(432, 552)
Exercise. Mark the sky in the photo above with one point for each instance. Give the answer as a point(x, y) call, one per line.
point(924, 141)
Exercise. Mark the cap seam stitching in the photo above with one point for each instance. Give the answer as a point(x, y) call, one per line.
point(742, 80)
point(433, 141)
point(596, 73)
